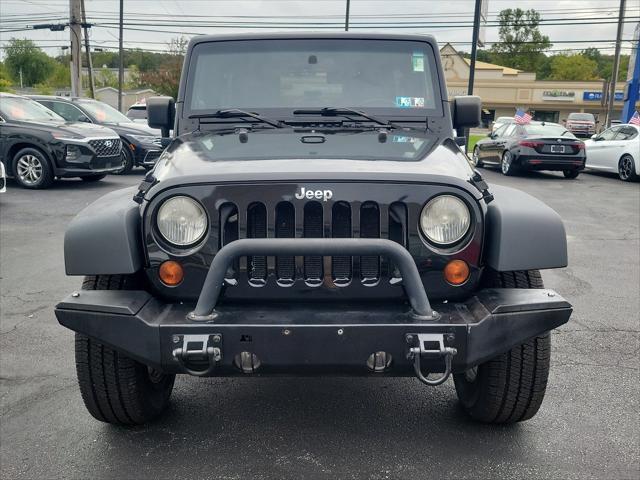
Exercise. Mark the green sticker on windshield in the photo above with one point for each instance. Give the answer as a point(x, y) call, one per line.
point(418, 61)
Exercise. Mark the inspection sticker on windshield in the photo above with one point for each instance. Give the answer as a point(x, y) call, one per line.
point(410, 102)
point(417, 60)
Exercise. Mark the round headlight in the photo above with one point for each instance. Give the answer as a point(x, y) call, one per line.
point(181, 221)
point(445, 220)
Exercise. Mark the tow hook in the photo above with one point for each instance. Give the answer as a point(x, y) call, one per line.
point(430, 346)
point(196, 349)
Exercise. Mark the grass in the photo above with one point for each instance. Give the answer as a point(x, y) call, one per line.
point(473, 139)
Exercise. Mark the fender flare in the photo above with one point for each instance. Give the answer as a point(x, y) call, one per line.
point(523, 233)
point(105, 237)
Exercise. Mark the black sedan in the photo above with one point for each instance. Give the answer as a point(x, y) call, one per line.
point(37, 146)
point(141, 145)
point(533, 146)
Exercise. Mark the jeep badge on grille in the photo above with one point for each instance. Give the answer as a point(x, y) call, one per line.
point(310, 194)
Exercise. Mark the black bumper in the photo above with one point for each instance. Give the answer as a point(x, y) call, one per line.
point(314, 338)
point(551, 162)
point(310, 337)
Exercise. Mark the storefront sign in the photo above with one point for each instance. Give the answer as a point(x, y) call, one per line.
point(597, 96)
point(559, 95)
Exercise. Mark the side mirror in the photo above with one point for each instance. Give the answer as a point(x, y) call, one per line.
point(161, 113)
point(85, 119)
point(564, 120)
point(465, 111)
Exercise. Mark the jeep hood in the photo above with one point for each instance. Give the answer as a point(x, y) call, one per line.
point(185, 162)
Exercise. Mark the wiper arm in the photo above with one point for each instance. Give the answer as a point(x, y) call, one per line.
point(235, 112)
point(345, 112)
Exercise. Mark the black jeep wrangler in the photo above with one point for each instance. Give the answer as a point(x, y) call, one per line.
point(314, 215)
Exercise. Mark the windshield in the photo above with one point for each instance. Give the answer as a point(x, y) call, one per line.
point(103, 113)
point(586, 117)
point(306, 73)
point(550, 129)
point(18, 108)
point(274, 143)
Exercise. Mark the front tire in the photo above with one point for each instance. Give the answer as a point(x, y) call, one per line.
point(627, 169)
point(115, 388)
point(31, 169)
point(127, 160)
point(475, 158)
point(510, 387)
point(506, 164)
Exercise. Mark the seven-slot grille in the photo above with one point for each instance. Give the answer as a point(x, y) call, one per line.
point(314, 219)
point(108, 147)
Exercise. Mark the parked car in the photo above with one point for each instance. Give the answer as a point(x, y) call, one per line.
point(581, 124)
point(294, 236)
point(534, 146)
point(3, 179)
point(500, 121)
point(138, 112)
point(141, 145)
point(37, 145)
point(616, 149)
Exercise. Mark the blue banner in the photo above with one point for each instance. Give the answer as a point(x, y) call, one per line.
point(597, 96)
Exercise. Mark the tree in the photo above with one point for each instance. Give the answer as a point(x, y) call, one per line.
point(24, 56)
point(167, 78)
point(573, 67)
point(521, 42)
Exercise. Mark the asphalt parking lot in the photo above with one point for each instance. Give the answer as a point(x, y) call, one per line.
point(588, 426)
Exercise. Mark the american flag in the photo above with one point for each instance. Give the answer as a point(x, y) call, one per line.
point(522, 117)
point(635, 119)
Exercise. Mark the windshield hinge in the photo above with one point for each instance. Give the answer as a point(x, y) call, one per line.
point(148, 182)
point(478, 182)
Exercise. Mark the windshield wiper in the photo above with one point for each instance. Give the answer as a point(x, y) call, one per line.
point(237, 113)
point(345, 112)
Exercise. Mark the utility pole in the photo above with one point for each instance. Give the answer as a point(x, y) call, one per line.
point(346, 17)
point(88, 50)
point(616, 64)
point(474, 46)
point(76, 49)
point(121, 57)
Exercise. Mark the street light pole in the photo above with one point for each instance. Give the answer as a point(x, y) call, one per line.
point(616, 64)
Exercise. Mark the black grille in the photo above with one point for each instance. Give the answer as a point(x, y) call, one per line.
point(109, 147)
point(313, 229)
point(285, 228)
point(369, 228)
point(341, 228)
point(257, 228)
point(289, 220)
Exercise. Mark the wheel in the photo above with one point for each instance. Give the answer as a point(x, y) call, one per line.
point(94, 178)
point(127, 160)
point(475, 157)
point(510, 387)
point(32, 169)
point(627, 169)
point(115, 388)
point(506, 164)
point(571, 173)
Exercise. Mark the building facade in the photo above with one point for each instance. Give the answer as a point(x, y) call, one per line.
point(504, 89)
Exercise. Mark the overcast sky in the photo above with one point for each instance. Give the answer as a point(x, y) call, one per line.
point(17, 14)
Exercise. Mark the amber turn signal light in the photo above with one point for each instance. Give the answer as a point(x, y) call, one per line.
point(171, 273)
point(456, 272)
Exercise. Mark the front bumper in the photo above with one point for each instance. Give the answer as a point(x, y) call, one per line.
point(311, 337)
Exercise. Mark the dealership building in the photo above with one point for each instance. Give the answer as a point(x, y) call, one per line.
point(505, 89)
